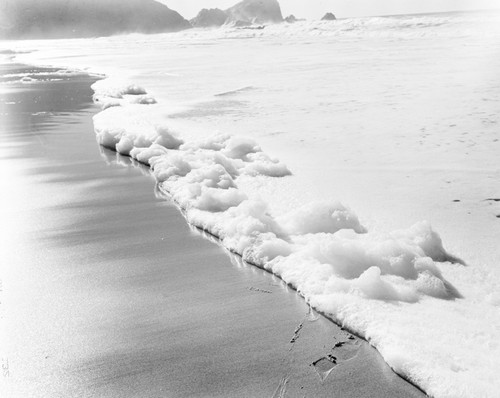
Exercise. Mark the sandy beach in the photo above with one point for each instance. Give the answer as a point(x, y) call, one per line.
point(107, 292)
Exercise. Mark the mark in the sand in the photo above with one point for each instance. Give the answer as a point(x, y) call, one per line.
point(296, 333)
point(498, 216)
point(456, 200)
point(274, 133)
point(312, 316)
point(256, 289)
point(5, 367)
point(343, 351)
point(493, 199)
point(346, 350)
point(280, 391)
point(324, 366)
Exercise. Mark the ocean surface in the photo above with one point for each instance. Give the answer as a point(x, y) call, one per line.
point(357, 160)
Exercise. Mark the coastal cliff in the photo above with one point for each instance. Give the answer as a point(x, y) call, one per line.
point(32, 19)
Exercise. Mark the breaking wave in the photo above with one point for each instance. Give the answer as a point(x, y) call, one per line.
point(405, 26)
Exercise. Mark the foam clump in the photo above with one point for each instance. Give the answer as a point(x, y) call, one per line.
point(142, 99)
point(167, 137)
point(390, 267)
point(240, 148)
point(199, 174)
point(127, 129)
point(247, 229)
point(429, 241)
point(371, 285)
point(318, 217)
point(115, 89)
point(319, 248)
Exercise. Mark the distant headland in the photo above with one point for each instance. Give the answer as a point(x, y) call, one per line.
point(51, 19)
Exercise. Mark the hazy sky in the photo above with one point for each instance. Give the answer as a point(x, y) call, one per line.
point(315, 9)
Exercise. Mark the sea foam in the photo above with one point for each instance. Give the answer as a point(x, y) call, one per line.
point(321, 248)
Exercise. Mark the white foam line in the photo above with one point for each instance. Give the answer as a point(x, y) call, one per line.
point(320, 249)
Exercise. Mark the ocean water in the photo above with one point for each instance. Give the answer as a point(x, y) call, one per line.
point(357, 160)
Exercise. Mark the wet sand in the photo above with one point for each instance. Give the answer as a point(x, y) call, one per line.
point(106, 292)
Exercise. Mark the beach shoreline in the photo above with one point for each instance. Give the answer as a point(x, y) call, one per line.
point(111, 229)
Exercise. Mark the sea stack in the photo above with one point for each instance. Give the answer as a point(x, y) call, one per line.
point(256, 11)
point(243, 14)
point(329, 17)
point(208, 18)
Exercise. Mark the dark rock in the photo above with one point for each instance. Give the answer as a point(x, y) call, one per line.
point(25, 19)
point(209, 18)
point(328, 17)
point(256, 11)
point(291, 19)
